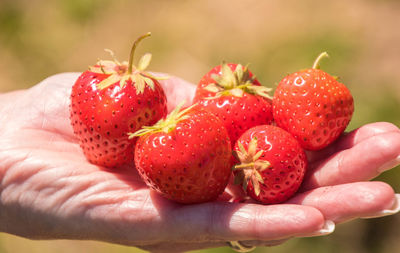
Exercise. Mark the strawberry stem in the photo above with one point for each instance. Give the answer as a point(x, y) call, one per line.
point(318, 60)
point(130, 64)
point(244, 165)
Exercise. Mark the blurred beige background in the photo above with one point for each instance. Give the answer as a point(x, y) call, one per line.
point(39, 38)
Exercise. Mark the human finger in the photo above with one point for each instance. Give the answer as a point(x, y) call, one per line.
point(328, 228)
point(354, 200)
point(348, 140)
point(222, 221)
point(363, 161)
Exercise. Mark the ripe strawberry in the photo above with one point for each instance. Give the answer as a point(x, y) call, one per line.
point(313, 106)
point(272, 164)
point(108, 101)
point(185, 157)
point(233, 94)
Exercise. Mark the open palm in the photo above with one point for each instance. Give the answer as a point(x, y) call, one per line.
point(49, 190)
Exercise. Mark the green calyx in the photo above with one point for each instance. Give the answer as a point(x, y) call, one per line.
point(250, 166)
point(236, 83)
point(122, 72)
point(164, 125)
point(318, 60)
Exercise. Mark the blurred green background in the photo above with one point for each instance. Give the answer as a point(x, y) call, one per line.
point(40, 38)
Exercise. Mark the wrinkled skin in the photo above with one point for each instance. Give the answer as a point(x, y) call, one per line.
point(50, 191)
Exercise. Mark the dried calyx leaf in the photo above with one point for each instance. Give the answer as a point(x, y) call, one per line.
point(121, 73)
point(250, 166)
point(164, 125)
point(236, 83)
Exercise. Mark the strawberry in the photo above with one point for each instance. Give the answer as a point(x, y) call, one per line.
point(233, 94)
point(111, 99)
point(271, 164)
point(313, 106)
point(185, 157)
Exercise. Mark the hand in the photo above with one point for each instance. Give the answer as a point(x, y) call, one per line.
point(50, 191)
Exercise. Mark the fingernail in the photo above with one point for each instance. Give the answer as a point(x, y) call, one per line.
point(389, 165)
point(395, 209)
point(327, 229)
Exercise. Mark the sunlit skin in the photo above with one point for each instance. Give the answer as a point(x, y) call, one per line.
point(50, 191)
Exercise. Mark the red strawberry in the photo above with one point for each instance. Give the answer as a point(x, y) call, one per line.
point(272, 164)
point(235, 96)
point(108, 101)
point(185, 157)
point(313, 106)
